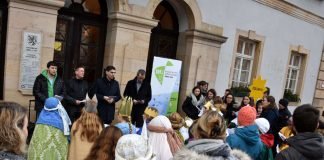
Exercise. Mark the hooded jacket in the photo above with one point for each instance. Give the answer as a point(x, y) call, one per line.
point(306, 146)
point(209, 149)
point(43, 89)
point(246, 139)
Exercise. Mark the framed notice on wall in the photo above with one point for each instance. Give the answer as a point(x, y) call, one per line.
point(30, 60)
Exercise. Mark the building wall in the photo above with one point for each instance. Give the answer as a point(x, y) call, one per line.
point(314, 6)
point(280, 31)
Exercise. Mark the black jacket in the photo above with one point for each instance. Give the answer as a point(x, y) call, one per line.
point(303, 146)
point(272, 115)
point(75, 89)
point(40, 90)
point(284, 115)
point(144, 92)
point(104, 87)
point(190, 109)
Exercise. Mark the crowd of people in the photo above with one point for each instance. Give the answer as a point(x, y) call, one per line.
point(77, 121)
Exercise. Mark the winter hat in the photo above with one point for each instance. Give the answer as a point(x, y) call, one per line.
point(51, 102)
point(284, 102)
point(246, 116)
point(133, 146)
point(263, 125)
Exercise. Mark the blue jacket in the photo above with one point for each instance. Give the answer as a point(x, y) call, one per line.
point(246, 139)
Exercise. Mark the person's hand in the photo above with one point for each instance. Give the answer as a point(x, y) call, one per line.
point(110, 100)
point(106, 98)
point(135, 101)
point(142, 101)
point(168, 130)
point(78, 102)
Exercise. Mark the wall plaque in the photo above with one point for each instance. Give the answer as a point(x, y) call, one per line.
point(30, 60)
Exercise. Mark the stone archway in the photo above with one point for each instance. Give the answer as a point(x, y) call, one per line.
point(129, 35)
point(198, 45)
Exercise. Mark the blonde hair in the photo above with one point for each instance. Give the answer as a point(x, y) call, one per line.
point(90, 126)
point(176, 120)
point(210, 126)
point(12, 118)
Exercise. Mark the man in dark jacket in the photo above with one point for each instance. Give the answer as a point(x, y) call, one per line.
point(47, 84)
point(307, 144)
point(75, 92)
point(108, 93)
point(141, 93)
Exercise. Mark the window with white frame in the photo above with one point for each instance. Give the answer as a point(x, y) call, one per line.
point(243, 62)
point(293, 72)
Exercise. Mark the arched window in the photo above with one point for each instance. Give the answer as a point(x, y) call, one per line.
point(80, 37)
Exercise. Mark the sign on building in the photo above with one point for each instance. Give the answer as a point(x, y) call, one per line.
point(30, 60)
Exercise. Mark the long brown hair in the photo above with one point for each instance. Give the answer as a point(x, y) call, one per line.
point(105, 144)
point(210, 126)
point(90, 126)
point(272, 102)
point(12, 117)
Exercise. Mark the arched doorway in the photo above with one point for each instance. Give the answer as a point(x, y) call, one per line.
point(164, 37)
point(80, 37)
point(3, 37)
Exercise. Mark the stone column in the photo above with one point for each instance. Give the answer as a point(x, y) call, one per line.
point(127, 44)
point(199, 53)
point(28, 15)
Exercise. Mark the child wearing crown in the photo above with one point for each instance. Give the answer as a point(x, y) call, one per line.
point(124, 117)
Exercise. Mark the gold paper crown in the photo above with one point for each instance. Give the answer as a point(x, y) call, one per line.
point(152, 112)
point(126, 106)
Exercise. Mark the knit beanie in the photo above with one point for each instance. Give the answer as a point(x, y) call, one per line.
point(246, 116)
point(284, 102)
point(263, 125)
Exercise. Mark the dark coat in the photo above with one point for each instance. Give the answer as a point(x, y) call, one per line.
point(306, 146)
point(284, 115)
point(272, 115)
point(229, 112)
point(40, 90)
point(104, 87)
point(190, 109)
point(75, 89)
point(144, 93)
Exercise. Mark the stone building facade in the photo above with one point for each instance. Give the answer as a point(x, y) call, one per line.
point(208, 35)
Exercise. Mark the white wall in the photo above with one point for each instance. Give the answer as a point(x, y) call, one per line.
point(280, 31)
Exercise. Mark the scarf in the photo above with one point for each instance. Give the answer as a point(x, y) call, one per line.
point(55, 117)
point(196, 102)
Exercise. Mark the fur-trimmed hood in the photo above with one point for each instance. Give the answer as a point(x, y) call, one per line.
point(209, 149)
point(186, 154)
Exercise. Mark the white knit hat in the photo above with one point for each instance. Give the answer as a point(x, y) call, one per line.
point(263, 125)
point(133, 146)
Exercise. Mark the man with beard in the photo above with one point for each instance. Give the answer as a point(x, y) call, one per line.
point(46, 85)
point(141, 93)
point(108, 93)
point(75, 93)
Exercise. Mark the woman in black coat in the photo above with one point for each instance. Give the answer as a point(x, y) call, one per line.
point(270, 112)
point(193, 103)
point(229, 101)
